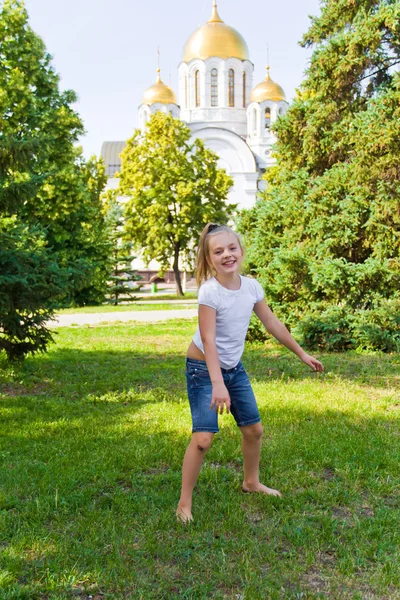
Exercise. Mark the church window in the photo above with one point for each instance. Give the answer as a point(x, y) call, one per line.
point(186, 92)
point(197, 88)
point(214, 87)
point(267, 118)
point(253, 122)
point(244, 89)
point(231, 88)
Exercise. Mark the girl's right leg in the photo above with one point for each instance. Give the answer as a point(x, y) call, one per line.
point(199, 445)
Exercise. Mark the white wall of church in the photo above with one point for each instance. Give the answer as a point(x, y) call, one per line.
point(197, 95)
point(236, 158)
point(260, 137)
point(146, 111)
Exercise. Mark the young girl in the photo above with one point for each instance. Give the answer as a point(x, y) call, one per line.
point(215, 377)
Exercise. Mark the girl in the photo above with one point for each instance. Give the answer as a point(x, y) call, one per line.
point(215, 377)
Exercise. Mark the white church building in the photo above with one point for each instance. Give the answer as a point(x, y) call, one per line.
point(218, 102)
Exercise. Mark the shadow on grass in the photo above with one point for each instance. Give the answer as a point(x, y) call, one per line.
point(269, 363)
point(78, 373)
point(73, 372)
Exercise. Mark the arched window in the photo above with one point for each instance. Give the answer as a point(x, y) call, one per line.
point(244, 89)
point(253, 122)
point(186, 92)
point(231, 88)
point(214, 87)
point(281, 111)
point(197, 88)
point(267, 118)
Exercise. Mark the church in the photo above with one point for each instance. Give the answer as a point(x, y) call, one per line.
point(220, 105)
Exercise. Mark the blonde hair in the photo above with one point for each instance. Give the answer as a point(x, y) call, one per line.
point(204, 269)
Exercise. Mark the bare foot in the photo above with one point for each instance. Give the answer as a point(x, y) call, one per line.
point(260, 487)
point(184, 515)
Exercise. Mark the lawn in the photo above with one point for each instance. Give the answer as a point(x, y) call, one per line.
point(93, 435)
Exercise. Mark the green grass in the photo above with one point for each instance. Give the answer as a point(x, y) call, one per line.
point(93, 435)
point(109, 308)
point(160, 296)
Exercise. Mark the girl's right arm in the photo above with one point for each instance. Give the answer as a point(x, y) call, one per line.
point(207, 325)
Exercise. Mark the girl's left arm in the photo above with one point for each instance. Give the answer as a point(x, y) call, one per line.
point(276, 328)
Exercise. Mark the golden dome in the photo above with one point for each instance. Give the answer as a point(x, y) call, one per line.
point(159, 92)
point(267, 90)
point(215, 38)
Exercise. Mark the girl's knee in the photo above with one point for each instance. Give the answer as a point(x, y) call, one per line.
point(253, 432)
point(202, 440)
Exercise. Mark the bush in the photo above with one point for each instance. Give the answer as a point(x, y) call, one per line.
point(256, 331)
point(337, 328)
point(379, 328)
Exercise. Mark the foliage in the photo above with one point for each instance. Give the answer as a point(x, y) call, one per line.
point(337, 329)
point(30, 282)
point(174, 187)
point(70, 207)
point(325, 235)
point(45, 184)
point(256, 331)
point(123, 276)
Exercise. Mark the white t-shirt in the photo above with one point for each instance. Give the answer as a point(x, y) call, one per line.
point(233, 308)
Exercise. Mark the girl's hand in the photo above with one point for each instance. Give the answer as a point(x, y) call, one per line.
point(220, 397)
point(312, 362)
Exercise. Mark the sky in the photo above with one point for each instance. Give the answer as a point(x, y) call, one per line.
point(106, 50)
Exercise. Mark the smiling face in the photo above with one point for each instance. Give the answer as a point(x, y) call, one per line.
point(225, 254)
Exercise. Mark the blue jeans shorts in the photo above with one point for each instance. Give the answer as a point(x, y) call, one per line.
point(243, 403)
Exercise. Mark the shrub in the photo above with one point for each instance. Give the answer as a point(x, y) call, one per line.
point(256, 331)
point(337, 328)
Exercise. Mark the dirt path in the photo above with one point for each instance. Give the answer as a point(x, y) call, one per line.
point(151, 316)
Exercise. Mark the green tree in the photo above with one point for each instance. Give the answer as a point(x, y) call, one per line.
point(173, 188)
point(122, 278)
point(44, 178)
point(325, 235)
point(49, 196)
point(31, 282)
point(71, 209)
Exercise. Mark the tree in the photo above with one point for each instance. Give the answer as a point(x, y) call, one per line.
point(31, 281)
point(173, 188)
point(325, 235)
point(71, 209)
point(122, 276)
point(49, 195)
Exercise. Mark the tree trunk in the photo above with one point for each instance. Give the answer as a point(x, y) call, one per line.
point(177, 274)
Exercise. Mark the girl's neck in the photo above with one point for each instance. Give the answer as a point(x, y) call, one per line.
point(230, 282)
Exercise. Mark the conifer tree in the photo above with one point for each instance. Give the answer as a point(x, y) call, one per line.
point(121, 284)
point(51, 219)
point(325, 236)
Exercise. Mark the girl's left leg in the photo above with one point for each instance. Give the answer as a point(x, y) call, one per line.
point(251, 448)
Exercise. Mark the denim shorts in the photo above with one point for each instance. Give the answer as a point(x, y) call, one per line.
point(243, 403)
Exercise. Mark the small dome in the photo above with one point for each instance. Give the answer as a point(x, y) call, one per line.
point(215, 38)
point(267, 90)
point(159, 92)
